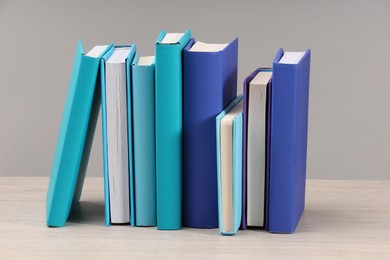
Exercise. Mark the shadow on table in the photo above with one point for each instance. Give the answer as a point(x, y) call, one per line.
point(327, 220)
point(88, 212)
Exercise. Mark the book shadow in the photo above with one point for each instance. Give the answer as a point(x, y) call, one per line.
point(90, 212)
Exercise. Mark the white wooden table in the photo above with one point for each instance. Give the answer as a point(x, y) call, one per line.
point(342, 219)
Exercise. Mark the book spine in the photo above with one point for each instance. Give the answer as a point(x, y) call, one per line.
point(169, 134)
point(210, 84)
point(143, 92)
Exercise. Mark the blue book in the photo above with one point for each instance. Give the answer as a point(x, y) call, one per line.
point(209, 85)
point(143, 93)
point(75, 137)
point(168, 66)
point(288, 143)
point(128, 121)
point(229, 127)
point(245, 111)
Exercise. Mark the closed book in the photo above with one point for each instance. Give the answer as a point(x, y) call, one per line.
point(288, 143)
point(75, 136)
point(209, 85)
point(143, 95)
point(169, 47)
point(229, 167)
point(117, 134)
point(255, 152)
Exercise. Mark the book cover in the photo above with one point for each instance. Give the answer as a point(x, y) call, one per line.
point(143, 95)
point(288, 143)
point(234, 188)
point(75, 138)
point(209, 85)
point(104, 133)
point(169, 130)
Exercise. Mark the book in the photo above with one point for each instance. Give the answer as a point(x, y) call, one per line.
point(169, 47)
point(256, 108)
point(117, 135)
point(247, 80)
point(288, 139)
point(143, 95)
point(229, 167)
point(75, 136)
point(209, 85)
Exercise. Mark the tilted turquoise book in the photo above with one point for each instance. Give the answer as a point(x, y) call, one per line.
point(75, 137)
point(169, 128)
point(143, 94)
point(236, 169)
point(129, 60)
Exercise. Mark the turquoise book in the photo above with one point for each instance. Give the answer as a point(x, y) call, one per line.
point(75, 136)
point(143, 96)
point(169, 48)
point(118, 135)
point(229, 127)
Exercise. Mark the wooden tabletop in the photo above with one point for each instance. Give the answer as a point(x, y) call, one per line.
point(342, 220)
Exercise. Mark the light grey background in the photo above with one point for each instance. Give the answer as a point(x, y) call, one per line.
point(349, 128)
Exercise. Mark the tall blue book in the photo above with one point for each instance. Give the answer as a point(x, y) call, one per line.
point(76, 135)
point(288, 143)
point(209, 85)
point(229, 128)
point(143, 95)
point(118, 121)
point(169, 92)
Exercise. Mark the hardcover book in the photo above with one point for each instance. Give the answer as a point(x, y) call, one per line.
point(255, 153)
point(75, 136)
point(288, 143)
point(229, 167)
point(143, 95)
point(210, 84)
point(169, 47)
point(117, 134)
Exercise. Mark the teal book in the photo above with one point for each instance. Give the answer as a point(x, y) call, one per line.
point(169, 48)
point(76, 135)
point(118, 144)
point(229, 127)
point(143, 95)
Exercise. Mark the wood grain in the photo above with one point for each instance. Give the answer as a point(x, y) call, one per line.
point(342, 220)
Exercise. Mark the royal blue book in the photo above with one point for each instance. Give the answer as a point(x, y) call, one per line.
point(75, 136)
point(229, 167)
point(143, 95)
point(169, 48)
point(288, 143)
point(107, 204)
point(209, 85)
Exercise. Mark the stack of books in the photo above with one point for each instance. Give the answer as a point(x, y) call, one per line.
point(179, 147)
